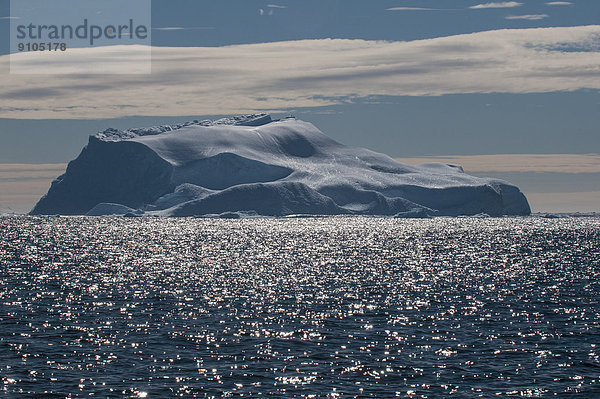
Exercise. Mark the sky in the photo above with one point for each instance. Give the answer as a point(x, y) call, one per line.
point(481, 82)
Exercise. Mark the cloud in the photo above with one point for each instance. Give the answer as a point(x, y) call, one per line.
point(559, 3)
point(169, 28)
point(32, 93)
point(263, 12)
point(502, 4)
point(270, 9)
point(26, 172)
point(529, 17)
point(307, 73)
point(411, 9)
point(10, 18)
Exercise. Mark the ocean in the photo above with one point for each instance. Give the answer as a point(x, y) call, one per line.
point(336, 307)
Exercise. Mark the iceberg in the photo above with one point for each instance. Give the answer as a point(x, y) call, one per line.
point(253, 165)
point(107, 209)
point(6, 211)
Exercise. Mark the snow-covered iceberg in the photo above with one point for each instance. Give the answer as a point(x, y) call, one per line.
point(253, 165)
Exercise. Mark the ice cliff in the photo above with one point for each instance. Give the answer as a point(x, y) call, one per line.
point(253, 165)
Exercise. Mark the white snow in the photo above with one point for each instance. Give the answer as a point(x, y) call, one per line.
point(253, 164)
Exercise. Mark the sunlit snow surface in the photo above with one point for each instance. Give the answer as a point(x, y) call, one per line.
point(306, 307)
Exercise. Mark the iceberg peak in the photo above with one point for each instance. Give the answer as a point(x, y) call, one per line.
point(112, 134)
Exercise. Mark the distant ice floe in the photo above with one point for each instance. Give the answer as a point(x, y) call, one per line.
point(6, 211)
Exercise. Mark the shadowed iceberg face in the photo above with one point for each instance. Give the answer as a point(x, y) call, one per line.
point(225, 170)
point(251, 164)
point(269, 199)
point(125, 173)
point(296, 145)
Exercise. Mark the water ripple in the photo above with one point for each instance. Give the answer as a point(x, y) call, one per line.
point(307, 307)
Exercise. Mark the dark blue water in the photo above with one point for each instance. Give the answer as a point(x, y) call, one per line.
point(317, 307)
